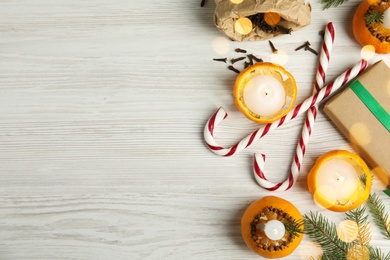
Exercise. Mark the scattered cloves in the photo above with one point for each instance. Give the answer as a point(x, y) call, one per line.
point(307, 43)
point(307, 48)
point(202, 3)
point(254, 58)
point(283, 30)
point(221, 59)
point(237, 59)
point(240, 50)
point(274, 50)
point(233, 69)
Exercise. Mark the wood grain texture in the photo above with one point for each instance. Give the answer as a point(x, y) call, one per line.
point(102, 109)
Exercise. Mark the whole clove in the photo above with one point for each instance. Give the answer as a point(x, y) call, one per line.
point(254, 58)
point(233, 69)
point(240, 50)
point(202, 3)
point(307, 48)
point(221, 59)
point(307, 43)
point(236, 59)
point(274, 50)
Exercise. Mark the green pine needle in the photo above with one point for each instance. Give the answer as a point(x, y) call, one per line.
point(380, 216)
point(332, 3)
point(377, 254)
point(294, 227)
point(373, 16)
point(360, 217)
point(325, 234)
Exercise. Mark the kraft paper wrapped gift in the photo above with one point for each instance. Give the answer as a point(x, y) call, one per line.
point(361, 113)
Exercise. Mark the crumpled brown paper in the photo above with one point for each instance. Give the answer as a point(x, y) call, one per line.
point(294, 13)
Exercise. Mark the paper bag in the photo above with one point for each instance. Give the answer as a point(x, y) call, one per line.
point(294, 15)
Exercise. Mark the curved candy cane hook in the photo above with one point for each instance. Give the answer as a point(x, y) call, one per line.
point(307, 128)
point(221, 114)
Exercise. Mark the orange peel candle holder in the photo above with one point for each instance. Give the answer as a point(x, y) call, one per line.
point(340, 181)
point(265, 92)
point(263, 227)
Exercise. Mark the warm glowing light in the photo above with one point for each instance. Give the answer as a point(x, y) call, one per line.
point(280, 58)
point(325, 191)
point(236, 1)
point(382, 177)
point(221, 45)
point(243, 26)
point(360, 131)
point(367, 52)
point(347, 231)
point(341, 176)
point(274, 229)
point(358, 252)
point(264, 95)
point(315, 250)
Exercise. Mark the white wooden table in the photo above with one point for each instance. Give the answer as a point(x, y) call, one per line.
point(102, 110)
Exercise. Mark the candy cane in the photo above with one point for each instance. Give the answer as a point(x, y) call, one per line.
point(307, 128)
point(221, 114)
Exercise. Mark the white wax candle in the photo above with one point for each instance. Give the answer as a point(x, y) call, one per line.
point(337, 180)
point(386, 19)
point(264, 95)
point(274, 229)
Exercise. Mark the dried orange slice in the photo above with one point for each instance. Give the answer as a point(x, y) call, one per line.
point(266, 210)
point(368, 26)
point(265, 92)
point(340, 181)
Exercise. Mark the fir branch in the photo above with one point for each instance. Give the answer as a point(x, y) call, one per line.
point(325, 234)
point(377, 254)
point(363, 179)
point(332, 3)
point(360, 217)
point(373, 16)
point(380, 216)
point(294, 227)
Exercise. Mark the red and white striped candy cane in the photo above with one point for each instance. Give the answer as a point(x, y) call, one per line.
point(221, 114)
point(307, 128)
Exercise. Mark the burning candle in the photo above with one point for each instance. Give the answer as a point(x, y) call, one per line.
point(386, 19)
point(337, 179)
point(274, 229)
point(340, 180)
point(264, 95)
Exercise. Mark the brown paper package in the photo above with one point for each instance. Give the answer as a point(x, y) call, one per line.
point(294, 13)
point(359, 125)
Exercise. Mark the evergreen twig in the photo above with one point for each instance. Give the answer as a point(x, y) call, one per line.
point(360, 217)
point(332, 3)
point(380, 216)
point(294, 227)
point(377, 254)
point(325, 234)
point(373, 16)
